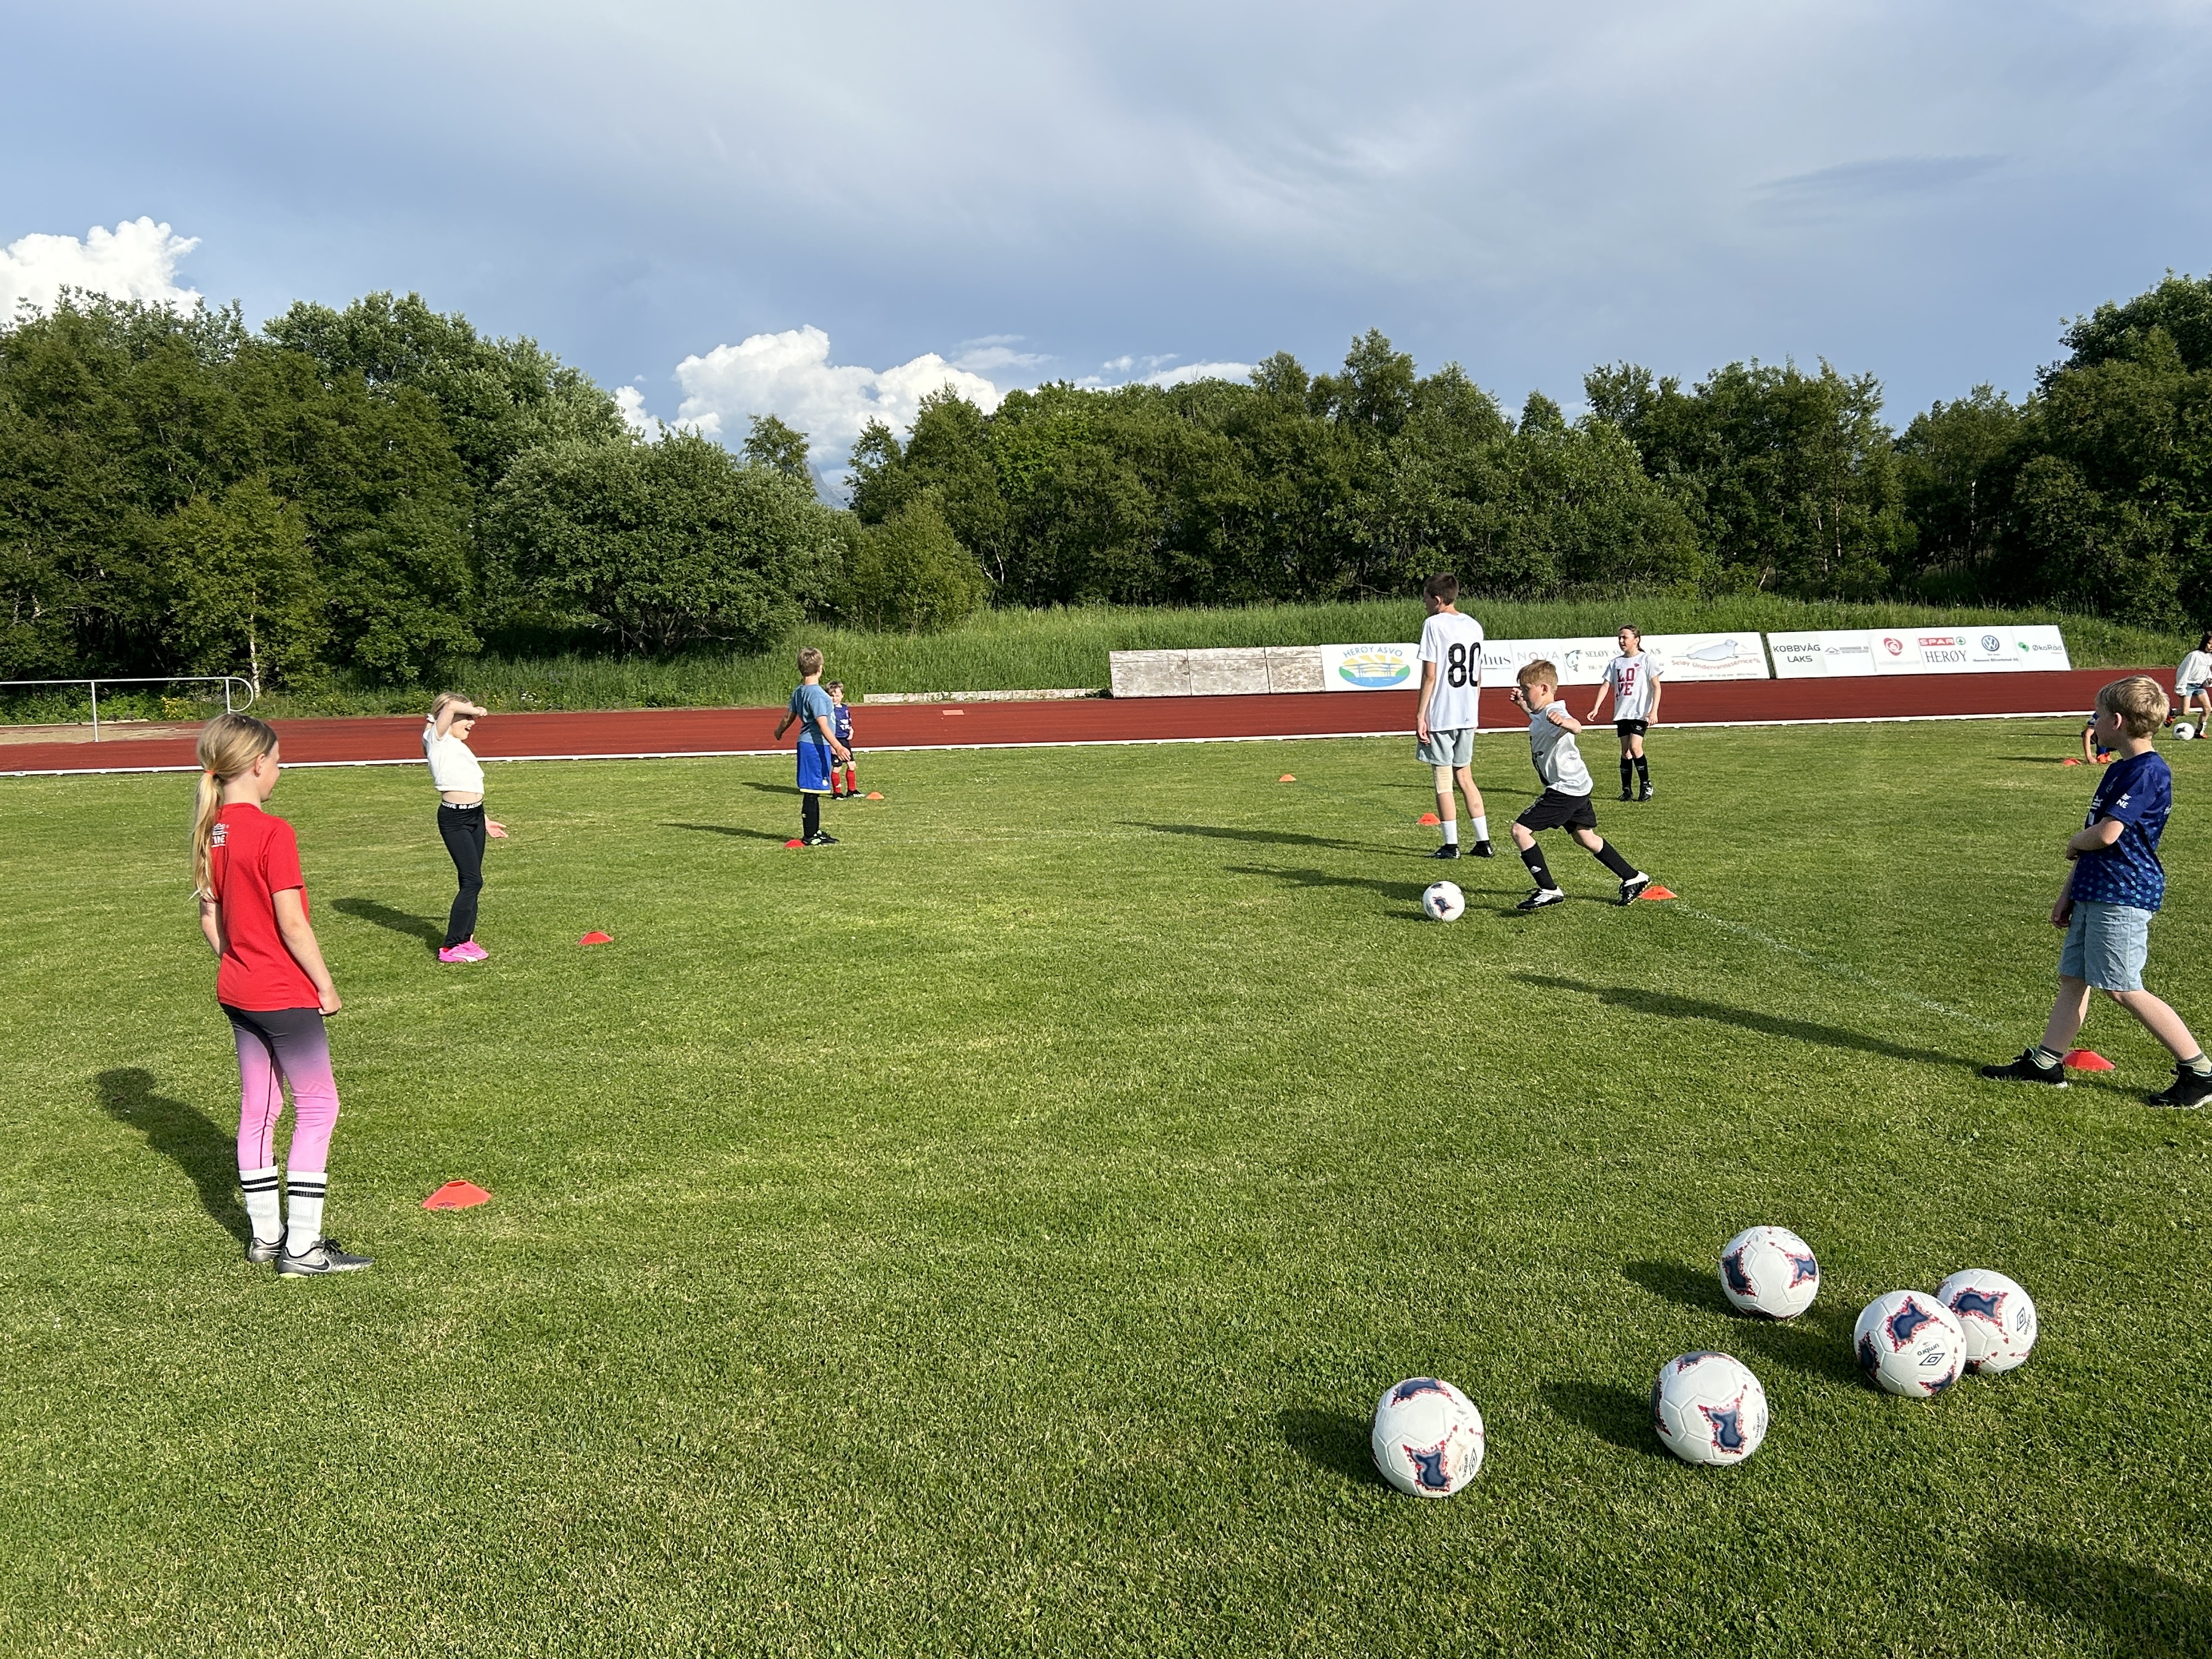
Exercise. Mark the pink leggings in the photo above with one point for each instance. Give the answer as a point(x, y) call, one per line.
point(277, 1047)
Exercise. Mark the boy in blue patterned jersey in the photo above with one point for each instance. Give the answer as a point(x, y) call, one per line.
point(2114, 888)
point(844, 728)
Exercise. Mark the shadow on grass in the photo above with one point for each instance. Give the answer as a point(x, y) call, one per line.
point(1665, 1004)
point(431, 931)
point(1620, 1417)
point(1408, 892)
point(185, 1136)
point(1332, 1440)
point(777, 836)
point(1818, 1342)
point(1267, 837)
point(2145, 1611)
point(770, 788)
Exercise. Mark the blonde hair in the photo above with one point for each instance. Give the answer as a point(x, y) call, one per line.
point(810, 662)
point(1539, 669)
point(229, 744)
point(2139, 703)
point(444, 701)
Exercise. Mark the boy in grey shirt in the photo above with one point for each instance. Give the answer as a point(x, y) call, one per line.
point(1565, 802)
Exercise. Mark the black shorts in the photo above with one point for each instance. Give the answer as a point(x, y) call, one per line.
point(1631, 728)
point(1553, 810)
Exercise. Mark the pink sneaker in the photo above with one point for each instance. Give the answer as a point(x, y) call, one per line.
point(475, 951)
point(462, 952)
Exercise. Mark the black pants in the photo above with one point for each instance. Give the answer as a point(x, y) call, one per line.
point(462, 830)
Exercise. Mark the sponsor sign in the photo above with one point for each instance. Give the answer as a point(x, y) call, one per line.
point(1371, 667)
point(1706, 657)
point(1840, 653)
point(1580, 661)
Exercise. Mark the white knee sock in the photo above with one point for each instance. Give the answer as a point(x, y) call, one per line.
point(1481, 827)
point(1451, 832)
point(263, 1203)
point(303, 1225)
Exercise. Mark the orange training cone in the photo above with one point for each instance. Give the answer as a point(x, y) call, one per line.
point(875, 794)
point(1428, 817)
point(595, 937)
point(1286, 778)
point(1656, 891)
point(2086, 1060)
point(794, 843)
point(2071, 760)
point(457, 1195)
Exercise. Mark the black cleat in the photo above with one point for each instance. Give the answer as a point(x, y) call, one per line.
point(1645, 793)
point(1629, 889)
point(2186, 1090)
point(1482, 850)
point(261, 1252)
point(2027, 1069)
point(822, 838)
point(1448, 850)
point(1628, 794)
point(324, 1255)
point(1542, 897)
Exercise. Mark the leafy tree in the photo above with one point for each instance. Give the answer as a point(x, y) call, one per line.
point(244, 588)
point(1955, 467)
point(777, 447)
point(910, 572)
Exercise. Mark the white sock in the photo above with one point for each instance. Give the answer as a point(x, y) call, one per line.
point(263, 1203)
point(304, 1224)
point(1481, 827)
point(1451, 832)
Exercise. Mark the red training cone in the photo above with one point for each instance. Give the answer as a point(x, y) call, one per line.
point(1286, 778)
point(595, 937)
point(1656, 891)
point(794, 843)
point(2086, 1060)
point(1428, 817)
point(457, 1195)
point(2071, 760)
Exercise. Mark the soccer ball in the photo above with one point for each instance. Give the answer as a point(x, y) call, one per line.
point(1427, 1438)
point(1443, 902)
point(1996, 1316)
point(1910, 1344)
point(1770, 1270)
point(1709, 1408)
point(2183, 731)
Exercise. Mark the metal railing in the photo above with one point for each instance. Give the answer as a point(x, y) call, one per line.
point(225, 681)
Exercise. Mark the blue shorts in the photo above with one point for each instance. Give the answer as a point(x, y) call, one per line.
point(816, 764)
point(2105, 944)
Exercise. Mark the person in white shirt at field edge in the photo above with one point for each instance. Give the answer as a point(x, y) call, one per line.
point(2190, 681)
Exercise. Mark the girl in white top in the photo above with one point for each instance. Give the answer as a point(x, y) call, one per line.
point(1632, 679)
point(458, 776)
point(2191, 679)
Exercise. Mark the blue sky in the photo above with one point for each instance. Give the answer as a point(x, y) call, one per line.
point(1108, 191)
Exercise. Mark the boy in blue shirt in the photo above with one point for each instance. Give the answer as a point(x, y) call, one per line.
point(844, 730)
point(818, 748)
point(2115, 887)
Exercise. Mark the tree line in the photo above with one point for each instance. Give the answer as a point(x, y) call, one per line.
point(381, 490)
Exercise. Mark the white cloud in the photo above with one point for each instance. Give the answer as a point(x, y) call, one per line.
point(996, 351)
point(790, 375)
point(631, 402)
point(137, 260)
point(1201, 372)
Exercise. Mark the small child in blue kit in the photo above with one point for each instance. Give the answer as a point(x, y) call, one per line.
point(2114, 888)
point(818, 749)
point(844, 726)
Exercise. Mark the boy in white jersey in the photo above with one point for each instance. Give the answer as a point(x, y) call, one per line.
point(1632, 678)
point(2191, 679)
point(1565, 802)
point(1445, 719)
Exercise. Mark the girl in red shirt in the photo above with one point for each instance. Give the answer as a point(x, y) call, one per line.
point(273, 985)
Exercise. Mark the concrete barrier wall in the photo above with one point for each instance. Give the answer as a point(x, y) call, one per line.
point(1230, 671)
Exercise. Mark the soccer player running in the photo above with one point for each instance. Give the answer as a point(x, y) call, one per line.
point(1565, 802)
point(1445, 720)
point(273, 985)
point(1632, 680)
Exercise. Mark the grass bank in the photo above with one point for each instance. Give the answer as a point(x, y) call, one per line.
point(1011, 650)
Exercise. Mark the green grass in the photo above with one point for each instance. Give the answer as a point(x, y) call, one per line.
point(1030, 650)
point(989, 1236)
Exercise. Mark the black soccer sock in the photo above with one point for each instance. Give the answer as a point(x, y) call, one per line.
point(810, 816)
point(1609, 856)
point(1627, 772)
point(1540, 872)
point(1642, 771)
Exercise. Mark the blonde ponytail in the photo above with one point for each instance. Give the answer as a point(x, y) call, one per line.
point(229, 744)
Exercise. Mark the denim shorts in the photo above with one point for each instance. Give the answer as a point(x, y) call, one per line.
point(1452, 749)
point(2105, 944)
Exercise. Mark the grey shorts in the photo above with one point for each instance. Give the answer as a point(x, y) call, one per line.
point(1452, 749)
point(2105, 944)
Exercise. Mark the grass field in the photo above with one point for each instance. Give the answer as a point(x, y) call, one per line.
point(991, 1234)
point(1028, 650)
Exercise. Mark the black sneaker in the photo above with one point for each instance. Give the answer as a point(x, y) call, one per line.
point(2187, 1089)
point(1628, 794)
point(2027, 1069)
point(1629, 889)
point(1645, 793)
point(822, 838)
point(1448, 850)
point(1482, 850)
point(324, 1255)
point(261, 1252)
point(1541, 897)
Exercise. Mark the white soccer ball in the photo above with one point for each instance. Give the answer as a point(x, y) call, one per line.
point(2184, 731)
point(1709, 1408)
point(1427, 1438)
point(1444, 901)
point(1770, 1270)
point(1995, 1315)
point(1910, 1344)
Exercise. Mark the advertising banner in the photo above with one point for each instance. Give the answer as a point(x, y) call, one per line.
point(1580, 661)
point(1371, 667)
point(1842, 653)
point(1706, 657)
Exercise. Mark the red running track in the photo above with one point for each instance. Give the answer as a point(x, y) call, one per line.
point(653, 733)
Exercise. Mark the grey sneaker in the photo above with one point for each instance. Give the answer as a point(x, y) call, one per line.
point(261, 1252)
point(324, 1255)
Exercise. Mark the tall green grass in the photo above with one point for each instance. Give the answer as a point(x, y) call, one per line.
point(1025, 650)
